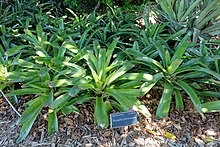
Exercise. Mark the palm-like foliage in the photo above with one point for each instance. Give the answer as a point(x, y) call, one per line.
point(199, 17)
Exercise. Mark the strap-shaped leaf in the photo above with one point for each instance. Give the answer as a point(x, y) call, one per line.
point(30, 112)
point(69, 109)
point(110, 50)
point(27, 125)
point(101, 64)
point(116, 74)
point(211, 107)
point(28, 117)
point(162, 52)
point(25, 91)
point(74, 90)
point(62, 82)
point(167, 7)
point(14, 50)
point(206, 11)
point(180, 50)
point(192, 94)
point(122, 99)
point(180, 9)
point(189, 10)
point(209, 71)
point(164, 105)
point(179, 100)
point(152, 61)
point(209, 94)
point(100, 116)
point(52, 122)
point(60, 101)
point(174, 66)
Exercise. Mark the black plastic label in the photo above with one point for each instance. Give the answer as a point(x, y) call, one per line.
point(123, 119)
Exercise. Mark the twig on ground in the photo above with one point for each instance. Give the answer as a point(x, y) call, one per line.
point(10, 103)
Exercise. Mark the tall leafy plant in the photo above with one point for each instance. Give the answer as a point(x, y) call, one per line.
point(47, 73)
point(109, 82)
point(199, 17)
point(177, 75)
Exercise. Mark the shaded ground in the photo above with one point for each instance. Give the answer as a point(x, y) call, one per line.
point(179, 129)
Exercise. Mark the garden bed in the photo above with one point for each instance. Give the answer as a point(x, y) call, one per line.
point(79, 130)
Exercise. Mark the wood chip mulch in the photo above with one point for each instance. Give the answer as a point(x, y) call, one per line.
point(180, 129)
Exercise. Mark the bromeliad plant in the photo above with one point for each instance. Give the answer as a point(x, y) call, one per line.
point(47, 73)
point(54, 73)
point(197, 16)
point(108, 82)
point(176, 74)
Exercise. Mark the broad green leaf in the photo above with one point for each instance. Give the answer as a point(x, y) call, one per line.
point(100, 116)
point(167, 58)
point(162, 53)
point(209, 71)
point(137, 77)
point(25, 91)
point(141, 108)
point(180, 50)
point(189, 10)
point(71, 46)
point(206, 13)
point(84, 36)
point(150, 60)
point(108, 106)
point(26, 127)
point(14, 50)
point(69, 109)
point(52, 122)
point(166, 6)
point(118, 106)
point(60, 101)
point(174, 66)
point(146, 87)
point(211, 107)
point(212, 28)
point(180, 10)
point(74, 90)
point(116, 74)
point(192, 94)
point(130, 84)
point(101, 64)
point(122, 99)
point(83, 98)
point(24, 63)
point(39, 31)
point(30, 112)
point(110, 50)
point(164, 105)
point(179, 100)
point(209, 94)
point(62, 82)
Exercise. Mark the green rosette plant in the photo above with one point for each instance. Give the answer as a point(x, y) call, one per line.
point(48, 73)
point(109, 83)
point(197, 16)
point(177, 74)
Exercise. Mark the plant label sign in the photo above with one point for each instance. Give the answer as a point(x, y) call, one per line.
point(118, 120)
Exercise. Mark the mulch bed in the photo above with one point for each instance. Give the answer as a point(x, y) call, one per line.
point(184, 129)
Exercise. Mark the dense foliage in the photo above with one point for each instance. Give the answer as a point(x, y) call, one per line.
point(63, 58)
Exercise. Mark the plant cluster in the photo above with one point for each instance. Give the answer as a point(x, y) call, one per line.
point(107, 59)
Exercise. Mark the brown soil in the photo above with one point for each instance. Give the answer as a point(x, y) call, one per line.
point(179, 129)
